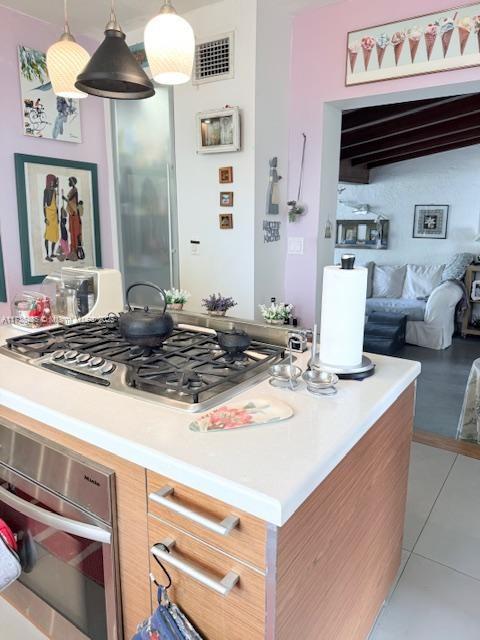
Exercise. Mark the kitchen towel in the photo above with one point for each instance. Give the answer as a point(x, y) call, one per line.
point(10, 568)
point(343, 316)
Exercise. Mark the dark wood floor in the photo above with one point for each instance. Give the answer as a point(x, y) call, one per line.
point(442, 383)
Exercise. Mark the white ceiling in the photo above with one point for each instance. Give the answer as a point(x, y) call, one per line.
point(90, 16)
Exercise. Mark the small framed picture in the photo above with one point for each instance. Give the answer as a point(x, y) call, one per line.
point(218, 131)
point(430, 221)
point(225, 175)
point(226, 199)
point(226, 221)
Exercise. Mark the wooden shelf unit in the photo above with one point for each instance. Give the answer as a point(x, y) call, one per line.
point(472, 273)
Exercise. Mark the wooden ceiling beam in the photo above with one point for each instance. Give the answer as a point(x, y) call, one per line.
point(366, 117)
point(425, 152)
point(445, 112)
point(360, 153)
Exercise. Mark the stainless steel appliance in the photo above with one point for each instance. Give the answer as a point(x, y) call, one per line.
point(190, 370)
point(62, 509)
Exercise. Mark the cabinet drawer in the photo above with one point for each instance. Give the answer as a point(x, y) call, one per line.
point(238, 615)
point(201, 515)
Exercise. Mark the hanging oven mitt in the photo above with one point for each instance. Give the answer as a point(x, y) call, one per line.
point(166, 623)
point(10, 568)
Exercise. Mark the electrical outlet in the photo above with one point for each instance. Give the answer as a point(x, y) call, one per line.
point(295, 246)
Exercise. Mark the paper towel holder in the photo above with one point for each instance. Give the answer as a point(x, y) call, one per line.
point(348, 261)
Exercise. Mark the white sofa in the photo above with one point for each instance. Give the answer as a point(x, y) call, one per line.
point(418, 292)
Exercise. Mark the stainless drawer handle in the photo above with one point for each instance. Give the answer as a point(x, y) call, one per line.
point(222, 528)
point(223, 586)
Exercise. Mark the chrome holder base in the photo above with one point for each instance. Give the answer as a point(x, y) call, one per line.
point(365, 367)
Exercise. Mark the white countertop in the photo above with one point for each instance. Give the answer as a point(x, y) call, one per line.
point(267, 470)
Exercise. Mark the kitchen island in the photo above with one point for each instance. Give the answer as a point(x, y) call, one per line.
point(320, 498)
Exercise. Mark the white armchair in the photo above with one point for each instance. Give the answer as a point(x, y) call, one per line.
point(438, 326)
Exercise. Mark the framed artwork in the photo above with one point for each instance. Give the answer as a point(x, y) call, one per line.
point(429, 43)
point(367, 234)
point(226, 199)
point(139, 54)
point(58, 215)
point(430, 221)
point(44, 115)
point(3, 286)
point(226, 221)
point(218, 131)
point(225, 175)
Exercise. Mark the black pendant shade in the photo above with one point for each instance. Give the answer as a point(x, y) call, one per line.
point(113, 72)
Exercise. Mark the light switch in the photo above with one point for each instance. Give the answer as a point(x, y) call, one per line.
point(295, 246)
point(195, 247)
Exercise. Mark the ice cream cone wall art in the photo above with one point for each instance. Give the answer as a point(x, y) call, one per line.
point(423, 44)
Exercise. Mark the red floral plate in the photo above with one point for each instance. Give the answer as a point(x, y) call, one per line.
point(247, 413)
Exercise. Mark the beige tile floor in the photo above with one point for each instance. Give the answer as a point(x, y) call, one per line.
point(437, 592)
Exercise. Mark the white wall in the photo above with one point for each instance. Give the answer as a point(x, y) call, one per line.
point(450, 178)
point(226, 260)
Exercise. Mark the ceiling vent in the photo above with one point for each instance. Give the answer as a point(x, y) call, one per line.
point(214, 59)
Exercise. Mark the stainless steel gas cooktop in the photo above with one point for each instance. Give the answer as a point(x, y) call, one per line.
point(189, 371)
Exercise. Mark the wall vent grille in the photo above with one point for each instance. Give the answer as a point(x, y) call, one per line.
point(214, 59)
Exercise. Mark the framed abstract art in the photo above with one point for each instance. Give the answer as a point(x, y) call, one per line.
point(430, 221)
point(58, 215)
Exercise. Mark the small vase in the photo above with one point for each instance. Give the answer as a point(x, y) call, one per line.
point(216, 313)
point(277, 321)
point(175, 306)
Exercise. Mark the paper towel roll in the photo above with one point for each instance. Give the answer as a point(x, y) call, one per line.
point(343, 316)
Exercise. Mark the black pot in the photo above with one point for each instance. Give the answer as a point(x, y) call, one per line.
point(233, 341)
point(143, 327)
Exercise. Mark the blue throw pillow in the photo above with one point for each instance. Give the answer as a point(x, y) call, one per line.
point(455, 269)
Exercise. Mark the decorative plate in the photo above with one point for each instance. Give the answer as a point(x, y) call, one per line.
point(247, 413)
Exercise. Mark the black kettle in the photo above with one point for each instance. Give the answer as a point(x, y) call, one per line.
point(143, 327)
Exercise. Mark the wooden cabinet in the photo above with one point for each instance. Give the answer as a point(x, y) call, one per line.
point(322, 576)
point(238, 615)
point(202, 516)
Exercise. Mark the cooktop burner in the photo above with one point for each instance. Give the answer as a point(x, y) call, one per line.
point(189, 370)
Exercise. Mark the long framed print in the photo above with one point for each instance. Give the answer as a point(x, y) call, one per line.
point(424, 44)
point(430, 221)
point(45, 115)
point(58, 215)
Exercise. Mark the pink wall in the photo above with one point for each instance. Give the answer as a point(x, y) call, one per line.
point(18, 29)
point(317, 77)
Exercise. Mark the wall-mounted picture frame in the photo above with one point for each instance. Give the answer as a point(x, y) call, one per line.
point(429, 43)
point(430, 221)
point(362, 234)
point(225, 175)
point(218, 131)
point(226, 220)
point(45, 115)
point(3, 284)
point(226, 198)
point(58, 215)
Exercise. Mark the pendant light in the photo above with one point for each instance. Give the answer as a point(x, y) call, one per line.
point(65, 60)
point(112, 71)
point(170, 46)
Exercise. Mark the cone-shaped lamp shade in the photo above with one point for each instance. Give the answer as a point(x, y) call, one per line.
point(113, 72)
point(65, 60)
point(170, 47)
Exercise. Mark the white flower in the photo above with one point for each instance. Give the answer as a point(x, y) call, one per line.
point(275, 311)
point(177, 296)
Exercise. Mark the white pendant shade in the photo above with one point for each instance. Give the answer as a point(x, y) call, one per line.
point(65, 60)
point(170, 48)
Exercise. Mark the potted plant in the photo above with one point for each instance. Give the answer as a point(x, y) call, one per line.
point(276, 313)
point(218, 305)
point(176, 298)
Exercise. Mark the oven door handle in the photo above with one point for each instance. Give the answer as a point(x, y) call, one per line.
point(49, 519)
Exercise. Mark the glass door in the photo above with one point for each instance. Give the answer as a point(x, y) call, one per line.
point(145, 192)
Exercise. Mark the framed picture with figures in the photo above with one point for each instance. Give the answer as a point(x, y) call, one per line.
point(58, 215)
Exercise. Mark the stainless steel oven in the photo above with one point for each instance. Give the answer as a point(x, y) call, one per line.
point(62, 509)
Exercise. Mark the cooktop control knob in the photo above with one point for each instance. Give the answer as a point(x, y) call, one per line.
point(83, 358)
point(71, 355)
point(58, 355)
point(96, 362)
point(107, 368)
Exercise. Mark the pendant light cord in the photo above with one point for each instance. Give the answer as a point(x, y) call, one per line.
point(65, 16)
